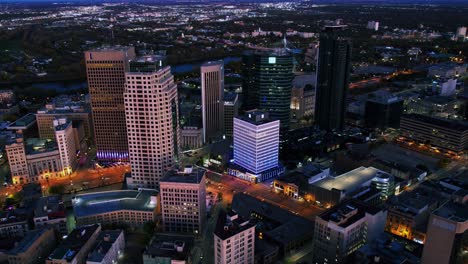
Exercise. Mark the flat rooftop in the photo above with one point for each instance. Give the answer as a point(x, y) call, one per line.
point(104, 243)
point(453, 211)
point(164, 245)
point(211, 63)
point(193, 176)
point(70, 247)
point(226, 228)
point(103, 202)
point(348, 213)
point(351, 180)
point(38, 145)
point(23, 122)
point(256, 117)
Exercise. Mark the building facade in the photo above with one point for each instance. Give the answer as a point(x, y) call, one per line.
point(212, 92)
point(109, 247)
point(34, 247)
point(183, 202)
point(231, 110)
point(191, 137)
point(332, 79)
point(105, 70)
point(151, 111)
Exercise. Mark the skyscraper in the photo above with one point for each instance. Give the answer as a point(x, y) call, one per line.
point(231, 110)
point(212, 90)
point(152, 120)
point(105, 69)
point(267, 83)
point(256, 146)
point(332, 79)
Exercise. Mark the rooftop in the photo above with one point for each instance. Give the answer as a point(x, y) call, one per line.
point(458, 125)
point(256, 117)
point(26, 242)
point(229, 224)
point(37, 145)
point(453, 211)
point(104, 243)
point(230, 97)
point(211, 63)
point(102, 202)
point(188, 175)
point(23, 122)
point(176, 247)
point(350, 181)
point(348, 213)
point(50, 206)
point(70, 247)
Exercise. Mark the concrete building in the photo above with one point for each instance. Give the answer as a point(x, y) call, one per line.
point(256, 147)
point(34, 247)
point(130, 207)
point(13, 224)
point(164, 248)
point(75, 248)
point(191, 137)
point(345, 228)
point(231, 110)
point(66, 144)
point(105, 70)
point(152, 122)
point(303, 96)
point(234, 239)
point(447, 235)
point(334, 64)
point(212, 89)
point(183, 202)
point(383, 112)
point(109, 247)
point(51, 212)
point(449, 135)
point(330, 191)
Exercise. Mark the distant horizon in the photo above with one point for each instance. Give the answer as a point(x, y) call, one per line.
point(244, 1)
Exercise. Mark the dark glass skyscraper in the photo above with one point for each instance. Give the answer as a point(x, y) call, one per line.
point(267, 83)
point(332, 79)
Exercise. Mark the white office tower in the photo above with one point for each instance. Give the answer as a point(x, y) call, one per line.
point(256, 147)
point(151, 114)
point(234, 239)
point(448, 88)
point(461, 32)
point(66, 144)
point(212, 91)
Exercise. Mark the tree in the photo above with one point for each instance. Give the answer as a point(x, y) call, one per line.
point(57, 189)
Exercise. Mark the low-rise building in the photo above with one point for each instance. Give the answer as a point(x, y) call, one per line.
point(34, 247)
point(345, 228)
point(109, 247)
point(50, 211)
point(131, 207)
point(234, 239)
point(75, 248)
point(13, 224)
point(191, 137)
point(174, 249)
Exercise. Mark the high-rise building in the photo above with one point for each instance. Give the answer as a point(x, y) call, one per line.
point(267, 84)
point(183, 204)
point(256, 146)
point(105, 69)
point(231, 110)
point(383, 112)
point(151, 110)
point(332, 79)
point(234, 239)
point(447, 233)
point(212, 92)
point(345, 228)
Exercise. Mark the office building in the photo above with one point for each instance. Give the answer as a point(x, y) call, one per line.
point(33, 248)
point(65, 139)
point(447, 233)
point(77, 245)
point(330, 191)
point(183, 195)
point(212, 92)
point(332, 79)
point(130, 207)
point(234, 239)
point(13, 224)
point(109, 247)
point(435, 106)
point(461, 32)
point(256, 146)
point(345, 228)
point(373, 25)
point(303, 96)
point(267, 83)
point(449, 135)
point(383, 112)
point(165, 248)
point(105, 69)
point(231, 110)
point(152, 122)
point(191, 137)
point(50, 212)
point(277, 226)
